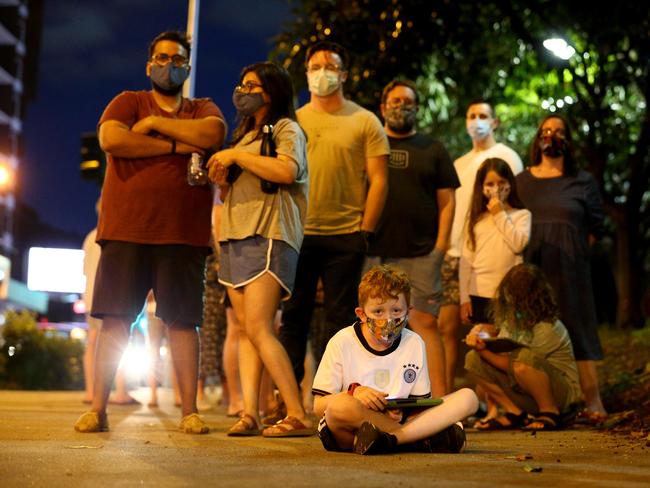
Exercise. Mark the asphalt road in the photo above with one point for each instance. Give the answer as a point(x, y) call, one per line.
point(38, 447)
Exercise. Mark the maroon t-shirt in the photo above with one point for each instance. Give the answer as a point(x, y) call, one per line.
point(148, 200)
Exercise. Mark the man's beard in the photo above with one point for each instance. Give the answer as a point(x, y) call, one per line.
point(404, 129)
point(163, 91)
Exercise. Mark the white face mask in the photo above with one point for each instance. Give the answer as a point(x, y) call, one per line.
point(478, 129)
point(323, 82)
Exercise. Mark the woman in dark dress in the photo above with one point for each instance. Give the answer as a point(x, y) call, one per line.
point(567, 214)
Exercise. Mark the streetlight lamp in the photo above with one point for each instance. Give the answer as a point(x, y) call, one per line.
point(559, 48)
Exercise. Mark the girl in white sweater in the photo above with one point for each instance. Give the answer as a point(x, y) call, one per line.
point(498, 229)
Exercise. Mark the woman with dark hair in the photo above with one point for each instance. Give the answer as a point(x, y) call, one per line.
point(260, 235)
point(567, 213)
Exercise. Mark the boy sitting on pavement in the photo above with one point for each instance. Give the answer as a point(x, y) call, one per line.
point(374, 360)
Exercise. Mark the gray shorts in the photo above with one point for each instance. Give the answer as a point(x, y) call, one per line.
point(243, 261)
point(424, 275)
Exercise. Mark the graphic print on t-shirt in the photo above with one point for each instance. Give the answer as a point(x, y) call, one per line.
point(382, 378)
point(399, 159)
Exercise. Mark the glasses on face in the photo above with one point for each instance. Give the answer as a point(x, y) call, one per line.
point(162, 59)
point(548, 132)
point(400, 102)
point(327, 67)
point(247, 87)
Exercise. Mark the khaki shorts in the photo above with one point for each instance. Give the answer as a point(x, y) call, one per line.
point(449, 277)
point(565, 392)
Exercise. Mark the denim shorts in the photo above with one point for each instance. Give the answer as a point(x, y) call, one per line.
point(243, 261)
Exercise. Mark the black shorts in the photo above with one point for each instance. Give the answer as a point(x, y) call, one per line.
point(127, 271)
point(327, 438)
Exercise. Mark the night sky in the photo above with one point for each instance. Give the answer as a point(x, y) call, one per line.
point(94, 49)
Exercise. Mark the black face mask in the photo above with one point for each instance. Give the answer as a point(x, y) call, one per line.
point(553, 147)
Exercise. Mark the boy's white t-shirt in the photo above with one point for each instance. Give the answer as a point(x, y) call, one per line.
point(401, 370)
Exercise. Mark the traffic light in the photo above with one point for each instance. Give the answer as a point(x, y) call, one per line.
point(93, 159)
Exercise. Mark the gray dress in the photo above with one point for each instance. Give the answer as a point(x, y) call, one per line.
point(566, 210)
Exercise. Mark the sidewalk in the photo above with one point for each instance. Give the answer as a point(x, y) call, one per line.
point(38, 447)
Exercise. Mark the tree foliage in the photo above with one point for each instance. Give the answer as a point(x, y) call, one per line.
point(458, 51)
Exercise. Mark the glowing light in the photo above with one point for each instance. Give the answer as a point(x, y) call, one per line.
point(78, 334)
point(559, 48)
point(79, 307)
point(135, 362)
point(5, 176)
point(163, 351)
point(11, 351)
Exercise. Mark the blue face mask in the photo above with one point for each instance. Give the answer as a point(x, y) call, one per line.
point(168, 78)
point(247, 103)
point(478, 129)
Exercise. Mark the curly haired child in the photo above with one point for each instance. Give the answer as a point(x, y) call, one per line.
point(540, 376)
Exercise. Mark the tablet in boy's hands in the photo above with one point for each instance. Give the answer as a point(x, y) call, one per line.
point(501, 344)
point(413, 402)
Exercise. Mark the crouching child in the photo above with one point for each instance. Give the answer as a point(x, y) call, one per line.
point(535, 382)
point(377, 359)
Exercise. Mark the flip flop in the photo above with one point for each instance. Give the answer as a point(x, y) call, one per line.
point(548, 420)
point(244, 427)
point(515, 422)
point(288, 427)
point(589, 417)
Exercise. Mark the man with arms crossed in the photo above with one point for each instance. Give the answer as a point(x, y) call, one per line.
point(154, 228)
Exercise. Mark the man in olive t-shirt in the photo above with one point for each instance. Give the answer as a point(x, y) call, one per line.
point(347, 153)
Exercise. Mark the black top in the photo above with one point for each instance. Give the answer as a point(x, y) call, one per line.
point(418, 167)
point(566, 209)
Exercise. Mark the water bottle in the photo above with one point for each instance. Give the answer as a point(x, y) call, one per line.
point(197, 175)
point(268, 149)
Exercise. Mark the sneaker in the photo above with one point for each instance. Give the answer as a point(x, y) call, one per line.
point(91, 422)
point(193, 424)
point(370, 440)
point(450, 440)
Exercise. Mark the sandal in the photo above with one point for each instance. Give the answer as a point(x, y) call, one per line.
point(548, 421)
point(515, 422)
point(91, 422)
point(275, 415)
point(589, 417)
point(245, 426)
point(288, 427)
point(193, 424)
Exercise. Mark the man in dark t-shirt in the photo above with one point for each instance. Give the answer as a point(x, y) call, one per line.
point(154, 228)
point(413, 232)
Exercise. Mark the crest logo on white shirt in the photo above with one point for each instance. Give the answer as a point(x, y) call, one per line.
point(382, 378)
point(410, 373)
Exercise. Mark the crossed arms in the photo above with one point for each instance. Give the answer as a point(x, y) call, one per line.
point(191, 135)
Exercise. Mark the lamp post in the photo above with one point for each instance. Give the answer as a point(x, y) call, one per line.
point(193, 8)
point(559, 48)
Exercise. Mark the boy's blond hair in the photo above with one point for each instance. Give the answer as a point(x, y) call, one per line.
point(384, 281)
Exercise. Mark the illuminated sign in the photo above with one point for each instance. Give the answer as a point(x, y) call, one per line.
point(56, 270)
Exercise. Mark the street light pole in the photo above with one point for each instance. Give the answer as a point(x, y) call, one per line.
point(193, 32)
